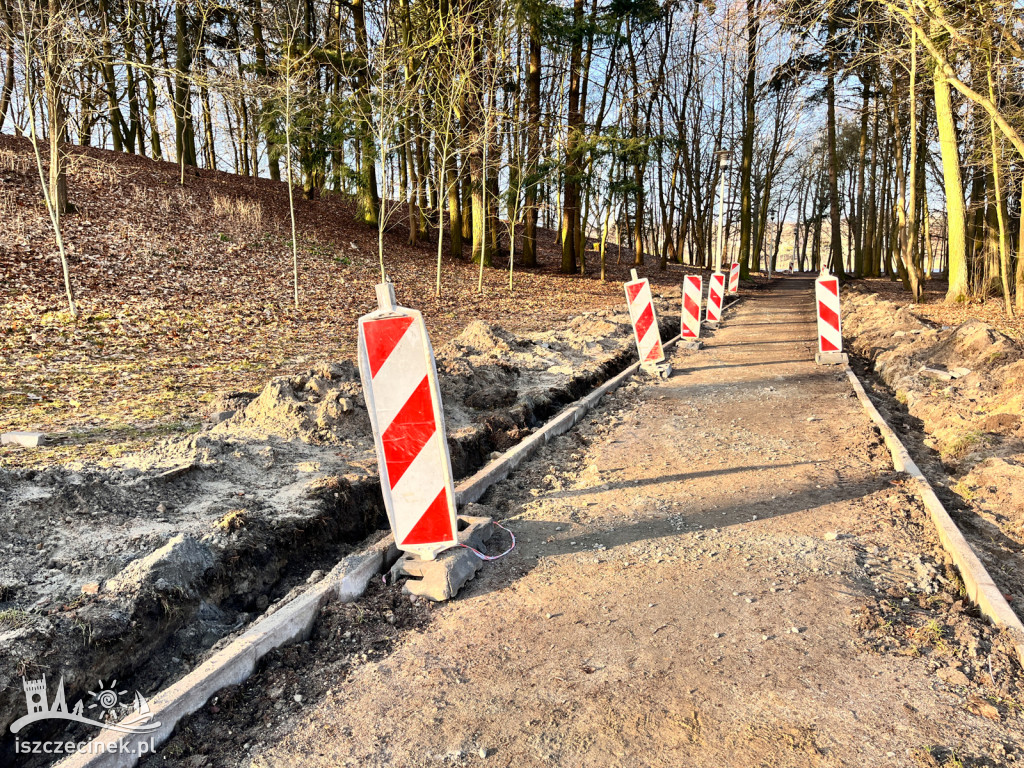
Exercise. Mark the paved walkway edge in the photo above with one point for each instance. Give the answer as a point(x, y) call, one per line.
point(981, 589)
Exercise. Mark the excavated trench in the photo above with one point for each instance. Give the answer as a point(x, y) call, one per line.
point(195, 542)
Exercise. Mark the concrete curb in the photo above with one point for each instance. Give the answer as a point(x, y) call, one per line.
point(981, 589)
point(234, 664)
point(294, 621)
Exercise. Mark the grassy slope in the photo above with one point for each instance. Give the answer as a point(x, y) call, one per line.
point(186, 292)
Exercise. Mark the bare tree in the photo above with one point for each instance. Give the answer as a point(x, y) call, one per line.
point(52, 38)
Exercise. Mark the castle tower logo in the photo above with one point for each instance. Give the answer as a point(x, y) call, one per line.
point(105, 705)
point(35, 695)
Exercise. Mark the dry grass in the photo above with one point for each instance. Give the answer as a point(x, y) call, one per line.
point(243, 214)
point(8, 202)
point(16, 162)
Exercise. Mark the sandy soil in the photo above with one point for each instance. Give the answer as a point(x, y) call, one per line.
point(955, 393)
point(720, 569)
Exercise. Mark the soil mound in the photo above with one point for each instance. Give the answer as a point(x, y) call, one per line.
point(482, 338)
point(322, 406)
point(965, 383)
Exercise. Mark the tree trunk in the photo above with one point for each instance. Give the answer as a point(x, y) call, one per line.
point(570, 197)
point(1000, 205)
point(367, 196)
point(114, 118)
point(422, 162)
point(407, 176)
point(1020, 261)
point(454, 207)
point(184, 136)
point(857, 221)
point(209, 143)
point(149, 50)
point(273, 149)
point(135, 139)
point(638, 216)
point(8, 86)
point(57, 116)
point(955, 221)
point(54, 189)
point(749, 124)
point(532, 145)
point(477, 136)
point(836, 239)
point(910, 241)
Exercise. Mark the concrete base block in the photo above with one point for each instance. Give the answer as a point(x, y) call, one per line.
point(439, 579)
point(24, 439)
point(442, 578)
point(475, 530)
point(712, 324)
point(831, 358)
point(692, 345)
point(657, 370)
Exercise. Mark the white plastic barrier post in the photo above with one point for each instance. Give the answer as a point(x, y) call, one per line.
point(716, 294)
point(734, 278)
point(830, 331)
point(645, 321)
point(396, 365)
point(693, 290)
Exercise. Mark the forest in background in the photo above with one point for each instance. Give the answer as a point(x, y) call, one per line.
point(894, 125)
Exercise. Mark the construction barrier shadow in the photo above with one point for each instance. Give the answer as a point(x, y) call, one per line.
point(530, 532)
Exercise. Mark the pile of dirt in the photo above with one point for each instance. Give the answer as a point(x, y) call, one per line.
point(965, 383)
point(322, 407)
point(963, 388)
point(135, 571)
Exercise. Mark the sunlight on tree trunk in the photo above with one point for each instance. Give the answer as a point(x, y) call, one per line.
point(955, 219)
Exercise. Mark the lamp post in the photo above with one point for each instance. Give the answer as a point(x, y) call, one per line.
point(723, 166)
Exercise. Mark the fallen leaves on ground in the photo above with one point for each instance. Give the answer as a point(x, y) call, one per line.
point(186, 292)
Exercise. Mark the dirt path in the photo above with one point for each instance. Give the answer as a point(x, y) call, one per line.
point(720, 569)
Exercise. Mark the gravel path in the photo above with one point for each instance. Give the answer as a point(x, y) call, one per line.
point(720, 569)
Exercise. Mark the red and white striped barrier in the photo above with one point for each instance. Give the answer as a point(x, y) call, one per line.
point(396, 365)
point(693, 289)
point(645, 322)
point(716, 297)
point(734, 278)
point(830, 331)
